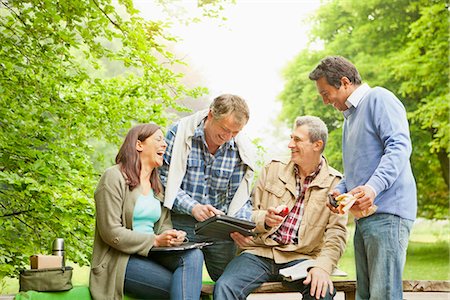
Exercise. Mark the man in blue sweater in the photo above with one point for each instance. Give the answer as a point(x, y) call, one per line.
point(376, 148)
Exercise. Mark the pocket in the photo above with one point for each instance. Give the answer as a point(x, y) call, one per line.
point(404, 232)
point(317, 214)
point(316, 206)
point(275, 189)
point(313, 226)
point(221, 178)
point(312, 229)
point(46, 280)
point(194, 161)
point(103, 265)
point(311, 238)
point(195, 169)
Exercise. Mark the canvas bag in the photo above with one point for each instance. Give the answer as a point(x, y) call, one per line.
point(46, 280)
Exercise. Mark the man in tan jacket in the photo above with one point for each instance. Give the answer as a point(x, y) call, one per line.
point(308, 231)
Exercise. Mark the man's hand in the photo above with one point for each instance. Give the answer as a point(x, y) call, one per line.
point(241, 240)
point(320, 282)
point(333, 194)
point(272, 218)
point(202, 212)
point(365, 197)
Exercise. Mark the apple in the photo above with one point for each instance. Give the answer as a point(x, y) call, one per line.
point(284, 212)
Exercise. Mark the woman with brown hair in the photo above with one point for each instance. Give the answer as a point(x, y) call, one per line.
point(131, 220)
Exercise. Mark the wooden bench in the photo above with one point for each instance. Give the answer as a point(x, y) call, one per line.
point(346, 286)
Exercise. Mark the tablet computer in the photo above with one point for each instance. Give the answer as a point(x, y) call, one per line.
point(185, 246)
point(220, 226)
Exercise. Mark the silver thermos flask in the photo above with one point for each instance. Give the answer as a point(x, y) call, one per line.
point(58, 249)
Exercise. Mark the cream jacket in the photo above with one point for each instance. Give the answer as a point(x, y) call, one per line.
point(322, 234)
point(114, 239)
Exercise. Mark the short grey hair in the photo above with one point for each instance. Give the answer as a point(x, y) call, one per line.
point(317, 128)
point(227, 104)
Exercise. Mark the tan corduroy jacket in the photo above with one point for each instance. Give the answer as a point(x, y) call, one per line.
point(322, 234)
point(114, 239)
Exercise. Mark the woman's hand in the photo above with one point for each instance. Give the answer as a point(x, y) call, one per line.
point(179, 239)
point(168, 238)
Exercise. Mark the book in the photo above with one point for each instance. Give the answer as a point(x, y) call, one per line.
point(300, 270)
point(220, 226)
point(185, 246)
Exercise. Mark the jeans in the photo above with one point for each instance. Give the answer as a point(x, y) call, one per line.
point(217, 256)
point(247, 272)
point(163, 275)
point(380, 244)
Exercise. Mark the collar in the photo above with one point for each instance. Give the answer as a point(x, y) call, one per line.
point(322, 180)
point(289, 174)
point(313, 174)
point(200, 130)
point(355, 98)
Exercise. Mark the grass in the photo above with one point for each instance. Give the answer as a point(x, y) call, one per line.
point(427, 257)
point(428, 252)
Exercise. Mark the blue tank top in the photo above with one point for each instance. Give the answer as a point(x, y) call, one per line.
point(147, 212)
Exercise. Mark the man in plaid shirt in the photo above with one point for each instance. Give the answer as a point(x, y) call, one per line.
point(308, 230)
point(203, 171)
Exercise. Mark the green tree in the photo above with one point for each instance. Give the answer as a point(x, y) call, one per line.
point(422, 67)
point(74, 75)
point(403, 46)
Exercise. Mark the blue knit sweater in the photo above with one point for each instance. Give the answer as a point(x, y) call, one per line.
point(376, 149)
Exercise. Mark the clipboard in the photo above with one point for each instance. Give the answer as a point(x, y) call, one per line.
point(220, 226)
point(185, 246)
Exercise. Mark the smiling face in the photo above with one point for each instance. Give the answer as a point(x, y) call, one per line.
point(303, 151)
point(220, 131)
point(152, 149)
point(335, 96)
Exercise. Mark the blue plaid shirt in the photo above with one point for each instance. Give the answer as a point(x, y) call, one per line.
point(209, 179)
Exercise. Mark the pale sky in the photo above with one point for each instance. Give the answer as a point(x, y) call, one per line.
point(245, 55)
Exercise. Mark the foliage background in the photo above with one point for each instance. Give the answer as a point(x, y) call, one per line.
point(75, 75)
point(401, 45)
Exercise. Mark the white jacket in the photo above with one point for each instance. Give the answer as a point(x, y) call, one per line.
point(181, 149)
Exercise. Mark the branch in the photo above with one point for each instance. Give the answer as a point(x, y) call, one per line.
point(15, 213)
point(106, 15)
point(24, 24)
point(20, 220)
point(16, 217)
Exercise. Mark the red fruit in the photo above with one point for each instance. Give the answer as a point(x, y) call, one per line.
point(284, 212)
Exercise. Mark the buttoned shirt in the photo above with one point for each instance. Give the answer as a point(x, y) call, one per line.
point(209, 179)
point(287, 232)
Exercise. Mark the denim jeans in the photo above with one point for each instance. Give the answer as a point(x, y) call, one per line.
point(380, 244)
point(165, 275)
point(217, 256)
point(247, 272)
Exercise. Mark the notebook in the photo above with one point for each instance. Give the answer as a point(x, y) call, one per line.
point(300, 270)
